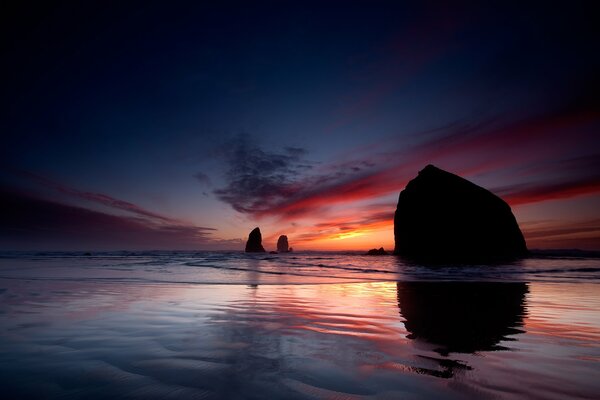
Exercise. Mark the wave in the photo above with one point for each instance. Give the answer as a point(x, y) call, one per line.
point(301, 267)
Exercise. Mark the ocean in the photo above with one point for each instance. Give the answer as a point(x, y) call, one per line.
point(303, 325)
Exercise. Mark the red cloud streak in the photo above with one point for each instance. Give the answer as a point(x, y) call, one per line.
point(503, 148)
point(536, 194)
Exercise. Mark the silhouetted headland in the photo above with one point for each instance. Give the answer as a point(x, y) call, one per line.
point(463, 317)
point(254, 243)
point(442, 217)
point(377, 252)
point(282, 244)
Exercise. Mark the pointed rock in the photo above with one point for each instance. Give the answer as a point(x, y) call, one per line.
point(254, 243)
point(282, 244)
point(442, 217)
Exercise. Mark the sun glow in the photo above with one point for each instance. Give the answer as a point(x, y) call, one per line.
point(359, 239)
point(347, 235)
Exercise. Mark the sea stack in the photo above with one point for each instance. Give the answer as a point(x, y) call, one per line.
point(377, 252)
point(254, 243)
point(442, 217)
point(282, 244)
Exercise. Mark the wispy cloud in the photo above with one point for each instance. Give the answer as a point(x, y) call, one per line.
point(94, 197)
point(360, 221)
point(466, 150)
point(53, 223)
point(258, 180)
point(543, 191)
point(34, 223)
point(563, 234)
point(203, 178)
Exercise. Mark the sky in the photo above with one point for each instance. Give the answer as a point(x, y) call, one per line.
point(171, 125)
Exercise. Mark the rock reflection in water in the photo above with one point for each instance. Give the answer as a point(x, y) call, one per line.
point(462, 317)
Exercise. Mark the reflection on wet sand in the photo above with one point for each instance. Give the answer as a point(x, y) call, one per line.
point(462, 317)
point(95, 340)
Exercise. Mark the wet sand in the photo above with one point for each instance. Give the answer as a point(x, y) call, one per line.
point(86, 340)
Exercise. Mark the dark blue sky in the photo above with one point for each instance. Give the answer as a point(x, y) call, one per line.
point(192, 123)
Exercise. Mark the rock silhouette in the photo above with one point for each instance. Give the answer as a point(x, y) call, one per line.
point(254, 243)
point(442, 217)
point(282, 244)
point(377, 252)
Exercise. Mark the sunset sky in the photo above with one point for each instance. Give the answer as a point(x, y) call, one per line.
point(160, 125)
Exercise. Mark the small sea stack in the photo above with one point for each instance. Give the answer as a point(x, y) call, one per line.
point(442, 217)
point(282, 244)
point(254, 243)
point(377, 252)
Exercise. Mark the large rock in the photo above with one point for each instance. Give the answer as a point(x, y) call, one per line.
point(442, 217)
point(282, 244)
point(254, 243)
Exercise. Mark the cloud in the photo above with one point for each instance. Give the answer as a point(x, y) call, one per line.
point(203, 178)
point(284, 184)
point(558, 179)
point(32, 223)
point(360, 221)
point(258, 180)
point(466, 149)
point(543, 191)
point(98, 198)
point(52, 224)
point(563, 234)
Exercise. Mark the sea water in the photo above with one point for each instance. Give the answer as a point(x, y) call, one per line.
point(229, 325)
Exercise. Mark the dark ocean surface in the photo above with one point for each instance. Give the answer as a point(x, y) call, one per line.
point(227, 325)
